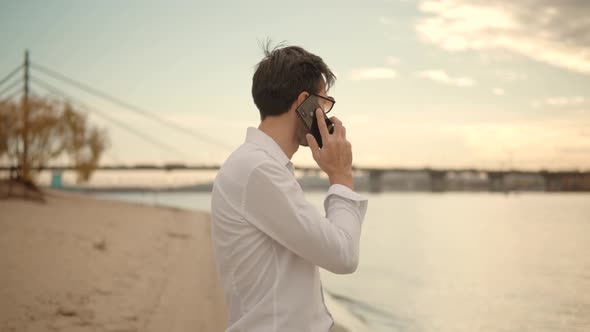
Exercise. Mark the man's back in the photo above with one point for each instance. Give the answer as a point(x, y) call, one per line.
point(268, 240)
point(267, 287)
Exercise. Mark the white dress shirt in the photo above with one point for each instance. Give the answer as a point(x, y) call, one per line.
point(269, 241)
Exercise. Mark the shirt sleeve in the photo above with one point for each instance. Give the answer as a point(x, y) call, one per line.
point(274, 203)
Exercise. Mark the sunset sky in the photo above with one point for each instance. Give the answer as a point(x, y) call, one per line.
point(458, 83)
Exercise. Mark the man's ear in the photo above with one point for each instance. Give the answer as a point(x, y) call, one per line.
point(299, 99)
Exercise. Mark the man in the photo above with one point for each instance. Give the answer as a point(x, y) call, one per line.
point(268, 240)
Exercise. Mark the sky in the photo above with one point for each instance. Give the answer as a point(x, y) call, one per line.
point(452, 83)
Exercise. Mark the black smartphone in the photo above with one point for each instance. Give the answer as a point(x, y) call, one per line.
point(306, 113)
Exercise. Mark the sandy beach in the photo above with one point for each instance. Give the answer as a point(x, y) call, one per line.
point(80, 264)
point(75, 263)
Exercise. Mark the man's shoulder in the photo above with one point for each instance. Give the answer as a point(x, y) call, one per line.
point(243, 161)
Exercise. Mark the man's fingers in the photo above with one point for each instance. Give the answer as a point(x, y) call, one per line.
point(337, 125)
point(313, 146)
point(335, 120)
point(322, 124)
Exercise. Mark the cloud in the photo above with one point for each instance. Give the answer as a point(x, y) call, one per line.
point(457, 139)
point(509, 75)
point(565, 101)
point(498, 91)
point(554, 32)
point(442, 77)
point(562, 101)
point(564, 147)
point(373, 73)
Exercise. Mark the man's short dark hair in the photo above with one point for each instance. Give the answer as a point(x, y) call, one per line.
point(283, 74)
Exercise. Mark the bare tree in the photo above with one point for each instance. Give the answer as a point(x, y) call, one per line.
point(56, 131)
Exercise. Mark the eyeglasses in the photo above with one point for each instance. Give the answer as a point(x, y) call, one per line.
point(326, 103)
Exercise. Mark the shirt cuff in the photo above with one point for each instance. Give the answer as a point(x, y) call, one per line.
point(344, 191)
point(358, 200)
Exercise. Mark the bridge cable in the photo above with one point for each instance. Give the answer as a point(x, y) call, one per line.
point(13, 94)
point(12, 73)
point(11, 87)
point(148, 138)
point(128, 106)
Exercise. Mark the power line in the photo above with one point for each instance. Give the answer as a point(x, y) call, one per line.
point(103, 115)
point(126, 105)
point(12, 73)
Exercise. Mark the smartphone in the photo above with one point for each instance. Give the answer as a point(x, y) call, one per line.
point(306, 113)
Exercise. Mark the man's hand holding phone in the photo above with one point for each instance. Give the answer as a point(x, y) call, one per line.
point(335, 157)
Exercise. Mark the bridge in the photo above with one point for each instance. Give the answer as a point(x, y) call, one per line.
point(439, 179)
point(496, 180)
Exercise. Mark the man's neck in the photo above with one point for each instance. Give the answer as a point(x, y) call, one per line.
point(281, 132)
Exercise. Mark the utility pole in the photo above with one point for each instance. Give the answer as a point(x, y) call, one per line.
point(25, 166)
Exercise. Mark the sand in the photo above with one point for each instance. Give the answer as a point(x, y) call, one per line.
point(76, 263)
point(80, 264)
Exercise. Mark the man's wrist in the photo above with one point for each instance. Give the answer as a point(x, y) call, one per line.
point(344, 179)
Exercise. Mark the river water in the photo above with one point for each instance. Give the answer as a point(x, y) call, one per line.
point(460, 261)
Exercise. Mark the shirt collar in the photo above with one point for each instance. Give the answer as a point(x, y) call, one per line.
point(268, 144)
